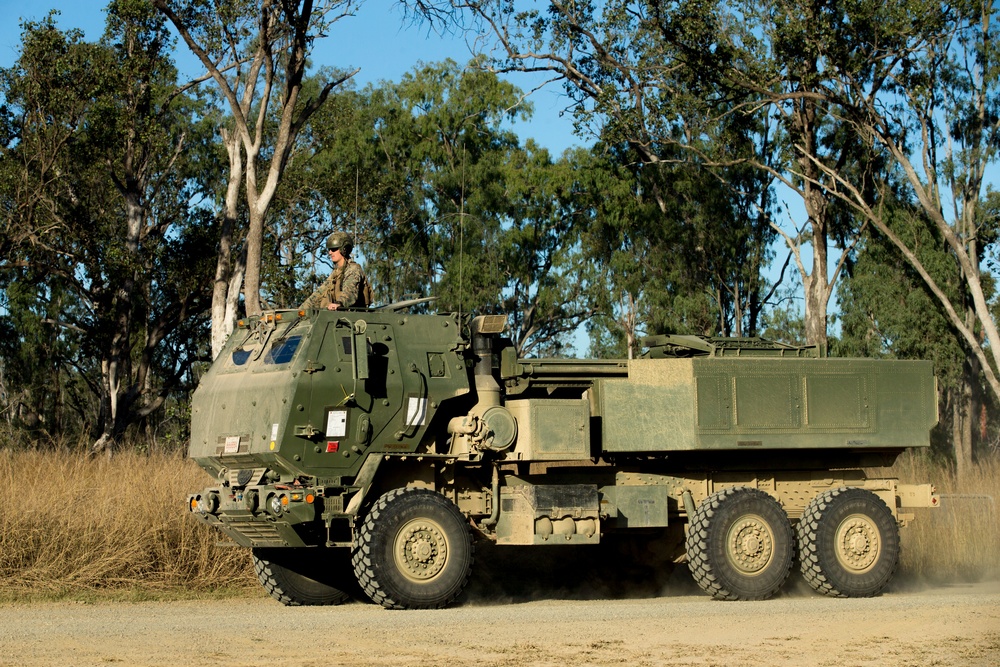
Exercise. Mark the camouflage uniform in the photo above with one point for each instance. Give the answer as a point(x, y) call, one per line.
point(345, 285)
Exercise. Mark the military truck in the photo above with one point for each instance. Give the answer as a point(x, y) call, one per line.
point(375, 447)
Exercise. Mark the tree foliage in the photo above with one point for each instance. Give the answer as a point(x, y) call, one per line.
point(103, 254)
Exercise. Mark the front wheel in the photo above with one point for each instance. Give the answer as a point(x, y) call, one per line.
point(740, 545)
point(848, 543)
point(414, 550)
point(303, 576)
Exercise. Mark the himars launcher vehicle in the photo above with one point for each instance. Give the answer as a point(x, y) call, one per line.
point(374, 446)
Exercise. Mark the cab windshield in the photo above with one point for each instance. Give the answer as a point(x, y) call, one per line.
point(276, 349)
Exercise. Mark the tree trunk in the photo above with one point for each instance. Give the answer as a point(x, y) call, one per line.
point(254, 250)
point(109, 409)
point(817, 284)
point(961, 429)
point(629, 318)
point(224, 285)
point(817, 295)
point(116, 367)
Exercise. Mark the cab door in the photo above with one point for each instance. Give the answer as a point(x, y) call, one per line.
point(352, 399)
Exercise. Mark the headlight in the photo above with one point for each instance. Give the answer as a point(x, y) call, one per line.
point(277, 505)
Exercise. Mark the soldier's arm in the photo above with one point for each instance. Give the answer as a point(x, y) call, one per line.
point(316, 299)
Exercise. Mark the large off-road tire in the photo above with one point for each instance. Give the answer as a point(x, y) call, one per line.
point(304, 576)
point(740, 545)
point(414, 550)
point(848, 543)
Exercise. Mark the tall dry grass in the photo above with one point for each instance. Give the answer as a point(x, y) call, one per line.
point(958, 542)
point(70, 526)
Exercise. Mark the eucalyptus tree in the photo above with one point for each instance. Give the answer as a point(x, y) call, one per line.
point(543, 253)
point(908, 88)
point(625, 243)
point(787, 51)
point(102, 243)
point(691, 264)
point(905, 88)
point(257, 56)
point(415, 167)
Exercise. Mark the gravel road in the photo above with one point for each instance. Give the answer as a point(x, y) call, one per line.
point(957, 625)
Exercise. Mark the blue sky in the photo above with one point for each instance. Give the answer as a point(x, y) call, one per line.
point(378, 39)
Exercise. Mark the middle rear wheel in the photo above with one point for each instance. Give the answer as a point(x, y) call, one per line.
point(740, 545)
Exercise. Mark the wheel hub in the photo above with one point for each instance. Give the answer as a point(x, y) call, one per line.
point(750, 545)
point(421, 550)
point(858, 545)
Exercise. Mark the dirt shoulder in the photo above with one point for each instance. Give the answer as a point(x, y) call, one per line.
point(939, 626)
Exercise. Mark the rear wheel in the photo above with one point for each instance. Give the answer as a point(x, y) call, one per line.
point(414, 550)
point(740, 545)
point(848, 543)
point(304, 576)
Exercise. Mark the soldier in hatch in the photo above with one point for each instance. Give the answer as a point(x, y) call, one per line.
point(346, 286)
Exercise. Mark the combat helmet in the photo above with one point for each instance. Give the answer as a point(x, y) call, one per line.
point(342, 241)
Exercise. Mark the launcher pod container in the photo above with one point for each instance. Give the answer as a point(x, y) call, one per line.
point(375, 447)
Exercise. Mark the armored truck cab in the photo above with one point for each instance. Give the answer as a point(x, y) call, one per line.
point(375, 445)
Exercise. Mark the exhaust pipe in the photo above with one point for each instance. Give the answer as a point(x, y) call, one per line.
point(488, 425)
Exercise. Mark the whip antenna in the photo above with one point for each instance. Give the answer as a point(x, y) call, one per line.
point(461, 239)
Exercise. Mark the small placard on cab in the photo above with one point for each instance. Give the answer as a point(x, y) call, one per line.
point(336, 423)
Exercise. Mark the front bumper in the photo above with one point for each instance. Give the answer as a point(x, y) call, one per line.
point(266, 516)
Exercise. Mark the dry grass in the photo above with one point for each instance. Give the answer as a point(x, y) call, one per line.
point(79, 528)
point(75, 527)
point(958, 542)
